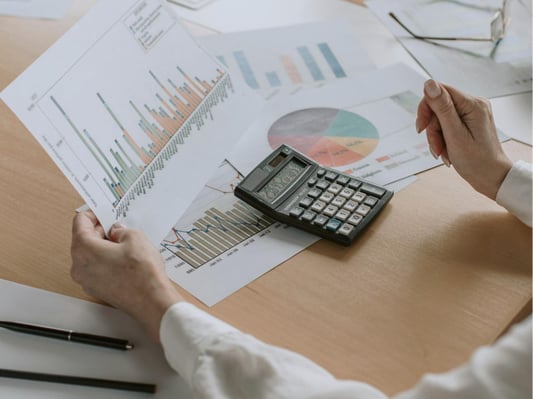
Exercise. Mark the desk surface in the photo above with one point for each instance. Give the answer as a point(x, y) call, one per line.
point(442, 271)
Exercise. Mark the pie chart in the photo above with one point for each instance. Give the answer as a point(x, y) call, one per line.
point(330, 136)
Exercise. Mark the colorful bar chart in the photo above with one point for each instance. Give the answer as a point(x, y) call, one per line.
point(163, 122)
point(303, 65)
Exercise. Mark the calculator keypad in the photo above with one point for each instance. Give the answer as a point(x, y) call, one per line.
point(336, 202)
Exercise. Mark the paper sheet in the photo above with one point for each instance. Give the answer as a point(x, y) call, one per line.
point(125, 116)
point(362, 126)
point(290, 56)
point(144, 364)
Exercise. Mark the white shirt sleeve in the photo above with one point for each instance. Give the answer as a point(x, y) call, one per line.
point(221, 362)
point(515, 193)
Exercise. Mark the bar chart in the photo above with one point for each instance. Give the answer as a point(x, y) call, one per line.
point(125, 116)
point(159, 120)
point(307, 54)
point(221, 244)
point(215, 233)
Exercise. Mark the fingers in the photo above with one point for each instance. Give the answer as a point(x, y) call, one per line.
point(86, 223)
point(441, 103)
point(117, 232)
point(424, 115)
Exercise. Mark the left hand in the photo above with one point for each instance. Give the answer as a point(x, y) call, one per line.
point(125, 270)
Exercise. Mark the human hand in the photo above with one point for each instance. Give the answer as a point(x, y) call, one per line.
point(460, 129)
point(125, 270)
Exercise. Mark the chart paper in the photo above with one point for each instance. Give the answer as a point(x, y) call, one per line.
point(133, 112)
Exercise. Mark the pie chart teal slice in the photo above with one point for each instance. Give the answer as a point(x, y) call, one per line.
point(332, 137)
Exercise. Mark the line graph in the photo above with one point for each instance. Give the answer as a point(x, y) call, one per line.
point(215, 233)
point(216, 223)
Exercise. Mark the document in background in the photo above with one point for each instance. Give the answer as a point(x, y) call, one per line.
point(311, 53)
point(49, 9)
point(145, 363)
point(477, 68)
point(362, 126)
point(133, 112)
point(244, 15)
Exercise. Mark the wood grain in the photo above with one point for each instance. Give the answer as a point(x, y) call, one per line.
point(440, 272)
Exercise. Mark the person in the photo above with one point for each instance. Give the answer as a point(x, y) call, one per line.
point(219, 361)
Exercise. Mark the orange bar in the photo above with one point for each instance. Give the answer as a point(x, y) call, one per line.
point(291, 69)
point(196, 97)
point(192, 82)
point(146, 159)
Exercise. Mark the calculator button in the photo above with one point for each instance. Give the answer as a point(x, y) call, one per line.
point(355, 219)
point(342, 215)
point(351, 205)
point(308, 216)
point(296, 212)
point(359, 196)
point(343, 180)
point(322, 184)
point(321, 172)
point(371, 201)
point(330, 210)
point(333, 224)
point(327, 197)
point(346, 192)
point(338, 201)
point(346, 229)
point(363, 210)
point(335, 188)
point(306, 202)
point(373, 190)
point(314, 193)
point(331, 176)
point(318, 206)
point(355, 184)
point(312, 181)
point(320, 220)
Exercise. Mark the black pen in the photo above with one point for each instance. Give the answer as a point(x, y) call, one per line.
point(67, 335)
point(75, 380)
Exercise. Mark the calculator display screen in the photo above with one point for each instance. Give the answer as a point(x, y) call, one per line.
point(282, 180)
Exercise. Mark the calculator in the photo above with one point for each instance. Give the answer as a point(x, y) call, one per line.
point(293, 189)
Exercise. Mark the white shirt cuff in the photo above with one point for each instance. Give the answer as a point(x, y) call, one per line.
point(515, 193)
point(183, 333)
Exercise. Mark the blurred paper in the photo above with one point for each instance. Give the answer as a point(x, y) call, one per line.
point(480, 68)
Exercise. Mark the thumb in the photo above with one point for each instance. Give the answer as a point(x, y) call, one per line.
point(441, 103)
point(117, 232)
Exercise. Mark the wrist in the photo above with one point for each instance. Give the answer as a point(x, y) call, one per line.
point(155, 305)
point(495, 178)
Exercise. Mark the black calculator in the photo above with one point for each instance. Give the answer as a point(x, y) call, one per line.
point(293, 189)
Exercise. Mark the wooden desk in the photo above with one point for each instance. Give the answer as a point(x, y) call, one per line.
point(442, 271)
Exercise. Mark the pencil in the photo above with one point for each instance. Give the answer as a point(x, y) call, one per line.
point(75, 380)
point(67, 335)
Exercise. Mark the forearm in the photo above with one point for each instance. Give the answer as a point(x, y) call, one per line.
point(219, 361)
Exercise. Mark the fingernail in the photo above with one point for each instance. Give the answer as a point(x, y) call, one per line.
point(432, 153)
point(432, 88)
point(445, 160)
point(118, 225)
point(418, 128)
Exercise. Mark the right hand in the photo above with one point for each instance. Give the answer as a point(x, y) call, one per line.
point(461, 130)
